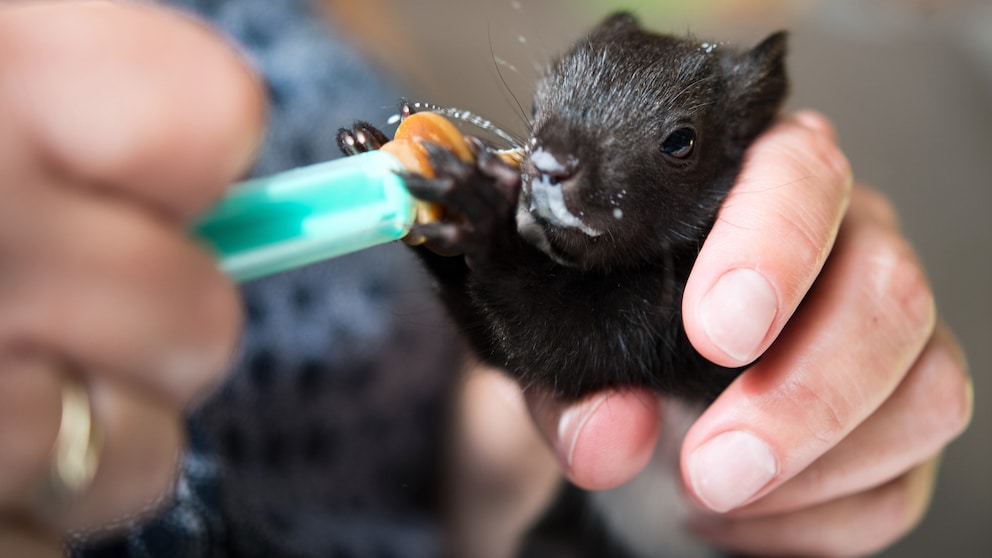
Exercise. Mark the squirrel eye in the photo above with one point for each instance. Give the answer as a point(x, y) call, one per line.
point(679, 143)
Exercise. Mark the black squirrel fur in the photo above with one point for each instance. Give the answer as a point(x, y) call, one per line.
point(574, 265)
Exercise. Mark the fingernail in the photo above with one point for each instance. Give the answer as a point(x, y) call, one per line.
point(570, 426)
point(730, 469)
point(738, 312)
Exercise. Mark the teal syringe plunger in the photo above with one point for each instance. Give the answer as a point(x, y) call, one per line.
point(290, 219)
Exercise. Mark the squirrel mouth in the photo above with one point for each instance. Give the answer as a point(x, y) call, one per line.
point(547, 201)
point(544, 192)
point(546, 222)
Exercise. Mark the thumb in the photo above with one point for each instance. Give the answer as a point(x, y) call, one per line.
point(603, 440)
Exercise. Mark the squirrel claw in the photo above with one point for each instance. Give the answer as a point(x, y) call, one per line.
point(480, 201)
point(360, 138)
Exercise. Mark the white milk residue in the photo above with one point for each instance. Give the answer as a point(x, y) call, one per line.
point(544, 160)
point(548, 199)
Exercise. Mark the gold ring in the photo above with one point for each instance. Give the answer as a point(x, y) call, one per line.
point(76, 452)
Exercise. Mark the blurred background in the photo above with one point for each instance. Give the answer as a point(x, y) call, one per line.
point(908, 84)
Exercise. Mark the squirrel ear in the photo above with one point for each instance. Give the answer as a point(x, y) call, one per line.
point(616, 23)
point(762, 84)
point(771, 50)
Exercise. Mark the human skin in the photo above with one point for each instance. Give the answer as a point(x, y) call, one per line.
point(860, 386)
point(109, 153)
point(121, 123)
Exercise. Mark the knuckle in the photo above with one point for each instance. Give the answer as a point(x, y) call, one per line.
point(827, 412)
point(963, 407)
point(809, 232)
point(876, 204)
point(911, 289)
point(829, 155)
point(815, 121)
point(896, 276)
point(820, 175)
point(951, 393)
point(819, 157)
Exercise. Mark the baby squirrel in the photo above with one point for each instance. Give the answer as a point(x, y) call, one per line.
point(572, 267)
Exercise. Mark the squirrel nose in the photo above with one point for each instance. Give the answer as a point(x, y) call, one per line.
point(555, 177)
point(550, 168)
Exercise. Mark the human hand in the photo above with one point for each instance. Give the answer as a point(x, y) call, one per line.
point(121, 121)
point(828, 444)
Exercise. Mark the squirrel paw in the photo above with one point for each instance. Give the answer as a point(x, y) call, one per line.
point(360, 138)
point(480, 199)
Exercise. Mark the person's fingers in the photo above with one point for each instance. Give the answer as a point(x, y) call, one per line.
point(127, 98)
point(931, 407)
point(24, 539)
point(845, 351)
point(121, 121)
point(603, 440)
point(499, 432)
point(29, 395)
point(816, 122)
point(103, 287)
point(503, 475)
point(792, 192)
point(143, 438)
point(856, 525)
point(140, 435)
